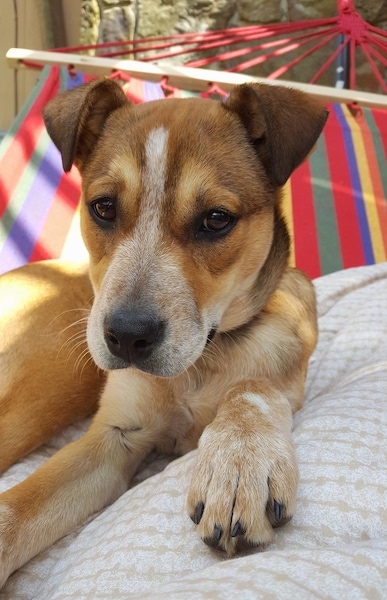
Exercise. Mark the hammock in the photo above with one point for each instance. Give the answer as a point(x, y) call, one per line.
point(334, 203)
point(238, 49)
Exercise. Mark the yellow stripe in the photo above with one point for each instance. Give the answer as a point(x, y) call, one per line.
point(368, 191)
point(74, 248)
point(287, 212)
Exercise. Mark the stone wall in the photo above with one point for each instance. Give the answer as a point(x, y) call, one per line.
point(112, 20)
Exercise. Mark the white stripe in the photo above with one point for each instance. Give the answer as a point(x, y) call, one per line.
point(258, 401)
point(153, 181)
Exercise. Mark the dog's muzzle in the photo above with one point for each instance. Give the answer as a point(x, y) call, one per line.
point(132, 336)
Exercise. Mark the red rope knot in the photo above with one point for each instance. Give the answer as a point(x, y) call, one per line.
point(214, 91)
point(120, 76)
point(345, 5)
point(168, 90)
point(351, 23)
point(71, 71)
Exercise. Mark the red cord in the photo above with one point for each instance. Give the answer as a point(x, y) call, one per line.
point(356, 33)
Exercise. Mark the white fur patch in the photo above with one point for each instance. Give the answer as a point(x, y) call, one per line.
point(258, 401)
point(153, 180)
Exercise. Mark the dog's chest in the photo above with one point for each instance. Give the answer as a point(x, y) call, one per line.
point(199, 400)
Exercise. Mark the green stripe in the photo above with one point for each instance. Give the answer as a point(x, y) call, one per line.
point(378, 146)
point(19, 195)
point(18, 121)
point(33, 163)
point(63, 75)
point(327, 231)
point(189, 94)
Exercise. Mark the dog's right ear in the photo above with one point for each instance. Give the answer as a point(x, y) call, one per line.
point(74, 119)
point(282, 123)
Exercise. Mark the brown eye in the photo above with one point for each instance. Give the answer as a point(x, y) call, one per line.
point(217, 221)
point(104, 209)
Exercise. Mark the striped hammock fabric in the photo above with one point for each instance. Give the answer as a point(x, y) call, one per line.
point(335, 203)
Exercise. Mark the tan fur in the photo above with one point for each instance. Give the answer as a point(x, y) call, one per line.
point(44, 310)
point(164, 167)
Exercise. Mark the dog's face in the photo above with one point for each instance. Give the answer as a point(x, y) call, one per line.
point(178, 209)
point(176, 227)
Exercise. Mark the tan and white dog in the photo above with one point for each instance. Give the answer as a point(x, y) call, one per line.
point(203, 330)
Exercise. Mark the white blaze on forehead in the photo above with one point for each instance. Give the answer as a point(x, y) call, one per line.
point(154, 177)
point(139, 250)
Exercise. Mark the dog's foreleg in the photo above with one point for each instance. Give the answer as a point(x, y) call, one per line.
point(246, 476)
point(81, 478)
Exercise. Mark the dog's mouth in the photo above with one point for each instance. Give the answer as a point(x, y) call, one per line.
point(146, 344)
point(210, 336)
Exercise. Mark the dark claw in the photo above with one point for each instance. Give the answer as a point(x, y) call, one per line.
point(279, 516)
point(218, 532)
point(213, 541)
point(197, 515)
point(278, 510)
point(237, 529)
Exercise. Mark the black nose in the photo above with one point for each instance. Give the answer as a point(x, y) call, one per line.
point(133, 335)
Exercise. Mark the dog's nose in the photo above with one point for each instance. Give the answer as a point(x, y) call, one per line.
point(133, 336)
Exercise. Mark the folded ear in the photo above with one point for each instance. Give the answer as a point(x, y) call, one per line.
point(283, 125)
point(74, 119)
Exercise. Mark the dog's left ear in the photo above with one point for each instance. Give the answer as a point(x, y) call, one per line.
point(283, 125)
point(75, 118)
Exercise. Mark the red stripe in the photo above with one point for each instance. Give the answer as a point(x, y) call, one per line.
point(347, 220)
point(134, 90)
point(304, 222)
point(53, 235)
point(23, 145)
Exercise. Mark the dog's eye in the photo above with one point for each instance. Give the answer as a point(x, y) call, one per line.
point(217, 221)
point(104, 209)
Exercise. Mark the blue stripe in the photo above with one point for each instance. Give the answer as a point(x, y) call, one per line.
point(356, 187)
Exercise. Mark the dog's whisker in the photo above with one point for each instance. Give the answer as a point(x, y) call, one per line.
point(214, 353)
point(70, 310)
point(83, 360)
point(69, 340)
point(87, 362)
point(74, 324)
point(74, 335)
point(75, 341)
point(76, 344)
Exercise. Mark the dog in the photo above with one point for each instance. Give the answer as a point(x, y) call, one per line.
point(198, 332)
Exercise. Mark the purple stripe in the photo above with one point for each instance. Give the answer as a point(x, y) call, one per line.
point(73, 80)
point(30, 221)
point(356, 187)
point(152, 91)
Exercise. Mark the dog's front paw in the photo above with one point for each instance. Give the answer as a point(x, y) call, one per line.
point(243, 485)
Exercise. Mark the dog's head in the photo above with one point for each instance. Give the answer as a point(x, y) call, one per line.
point(180, 212)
